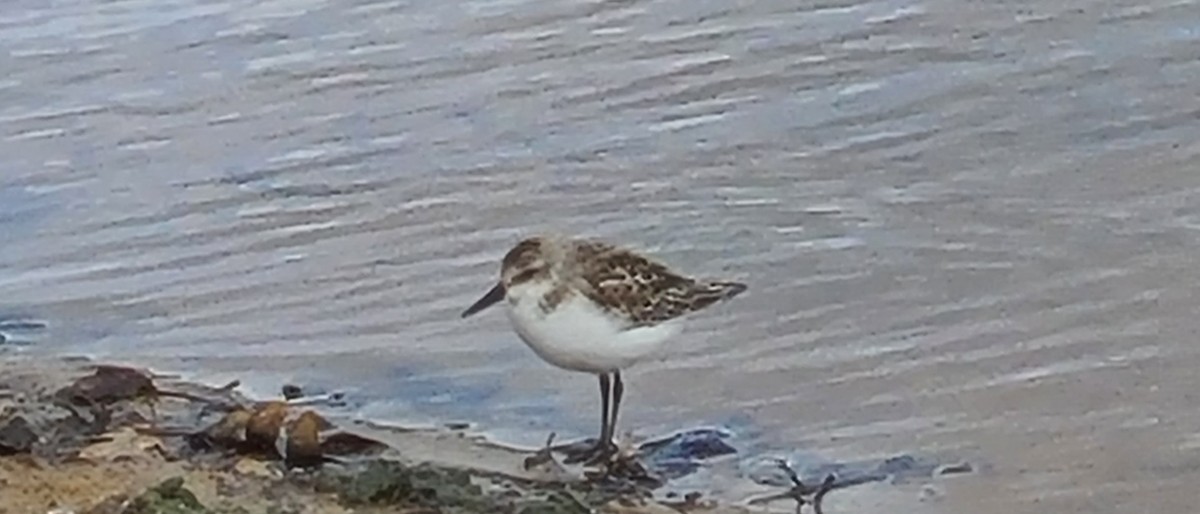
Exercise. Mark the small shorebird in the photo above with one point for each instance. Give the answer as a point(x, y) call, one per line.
point(596, 308)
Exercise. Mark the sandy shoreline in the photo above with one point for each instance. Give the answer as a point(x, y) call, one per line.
point(58, 458)
point(136, 429)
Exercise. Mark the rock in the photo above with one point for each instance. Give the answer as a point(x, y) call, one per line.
point(109, 384)
point(17, 436)
point(302, 440)
point(228, 432)
point(124, 444)
point(262, 429)
point(37, 425)
point(256, 468)
point(277, 429)
point(292, 391)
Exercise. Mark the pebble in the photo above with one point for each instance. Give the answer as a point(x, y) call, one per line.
point(16, 436)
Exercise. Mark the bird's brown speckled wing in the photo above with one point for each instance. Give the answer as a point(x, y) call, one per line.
point(641, 290)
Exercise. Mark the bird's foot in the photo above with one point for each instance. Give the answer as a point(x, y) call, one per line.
point(627, 464)
point(627, 470)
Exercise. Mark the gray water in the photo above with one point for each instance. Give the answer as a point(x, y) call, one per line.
point(969, 228)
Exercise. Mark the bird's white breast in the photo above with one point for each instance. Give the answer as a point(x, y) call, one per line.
point(576, 334)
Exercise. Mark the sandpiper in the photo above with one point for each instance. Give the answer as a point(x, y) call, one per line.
point(593, 307)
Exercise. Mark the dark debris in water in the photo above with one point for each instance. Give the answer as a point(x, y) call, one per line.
point(682, 453)
point(656, 462)
point(802, 493)
point(900, 468)
point(292, 391)
point(16, 331)
point(955, 469)
point(22, 325)
point(835, 476)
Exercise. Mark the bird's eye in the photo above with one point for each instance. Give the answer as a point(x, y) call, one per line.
point(525, 275)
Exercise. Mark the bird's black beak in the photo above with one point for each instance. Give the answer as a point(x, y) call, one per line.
point(491, 297)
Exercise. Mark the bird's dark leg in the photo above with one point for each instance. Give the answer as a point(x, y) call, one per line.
point(605, 448)
point(610, 396)
point(618, 390)
point(605, 425)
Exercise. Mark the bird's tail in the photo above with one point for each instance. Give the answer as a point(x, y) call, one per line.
point(703, 294)
point(722, 290)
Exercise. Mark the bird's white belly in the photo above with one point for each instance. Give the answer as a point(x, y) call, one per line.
point(578, 335)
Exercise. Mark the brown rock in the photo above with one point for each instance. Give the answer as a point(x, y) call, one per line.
point(303, 444)
point(262, 429)
point(230, 431)
point(110, 384)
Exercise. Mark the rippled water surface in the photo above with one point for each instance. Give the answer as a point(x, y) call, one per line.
point(970, 228)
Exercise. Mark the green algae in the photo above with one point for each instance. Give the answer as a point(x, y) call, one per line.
point(168, 497)
point(384, 483)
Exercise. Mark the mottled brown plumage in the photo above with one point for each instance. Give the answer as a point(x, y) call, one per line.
point(640, 289)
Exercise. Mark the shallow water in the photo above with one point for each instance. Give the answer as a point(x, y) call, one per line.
point(969, 227)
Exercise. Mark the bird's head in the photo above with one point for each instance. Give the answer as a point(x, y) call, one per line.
point(527, 262)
